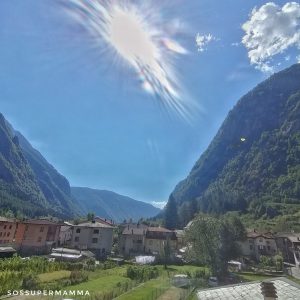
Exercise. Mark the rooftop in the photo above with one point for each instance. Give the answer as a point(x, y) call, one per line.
point(4, 219)
point(94, 225)
point(136, 229)
point(292, 236)
point(280, 288)
point(158, 229)
point(42, 222)
point(256, 234)
point(7, 249)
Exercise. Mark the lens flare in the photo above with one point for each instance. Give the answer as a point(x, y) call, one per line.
point(140, 37)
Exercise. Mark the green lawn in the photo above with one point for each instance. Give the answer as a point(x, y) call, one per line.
point(121, 271)
point(101, 284)
point(184, 269)
point(57, 275)
point(151, 287)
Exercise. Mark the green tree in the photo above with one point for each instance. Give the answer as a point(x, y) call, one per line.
point(166, 253)
point(171, 216)
point(90, 216)
point(213, 242)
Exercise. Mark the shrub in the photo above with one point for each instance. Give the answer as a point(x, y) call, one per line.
point(78, 277)
point(142, 273)
point(30, 282)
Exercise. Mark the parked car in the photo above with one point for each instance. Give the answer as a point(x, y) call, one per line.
point(213, 281)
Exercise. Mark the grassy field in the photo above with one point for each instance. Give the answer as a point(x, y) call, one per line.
point(57, 275)
point(151, 288)
point(101, 284)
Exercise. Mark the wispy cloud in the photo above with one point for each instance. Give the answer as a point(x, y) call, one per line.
point(270, 31)
point(203, 40)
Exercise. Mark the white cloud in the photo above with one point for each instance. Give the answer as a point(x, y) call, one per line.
point(203, 40)
point(271, 30)
point(159, 204)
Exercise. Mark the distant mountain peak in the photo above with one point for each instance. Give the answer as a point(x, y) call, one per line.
point(263, 168)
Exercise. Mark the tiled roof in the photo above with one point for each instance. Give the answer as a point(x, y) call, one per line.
point(41, 222)
point(136, 229)
point(255, 234)
point(104, 220)
point(159, 229)
point(281, 288)
point(292, 236)
point(93, 225)
point(3, 219)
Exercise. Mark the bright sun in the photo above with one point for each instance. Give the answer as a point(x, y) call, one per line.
point(130, 37)
point(140, 37)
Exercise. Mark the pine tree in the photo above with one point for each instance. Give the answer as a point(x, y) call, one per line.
point(171, 216)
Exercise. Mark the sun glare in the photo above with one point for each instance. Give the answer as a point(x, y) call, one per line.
point(139, 36)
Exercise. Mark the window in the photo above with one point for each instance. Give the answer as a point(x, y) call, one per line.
point(269, 248)
point(26, 228)
point(39, 239)
point(251, 247)
point(8, 234)
point(42, 229)
point(77, 239)
point(78, 230)
point(0, 233)
point(5, 226)
point(10, 227)
point(94, 240)
point(96, 231)
point(150, 242)
point(260, 240)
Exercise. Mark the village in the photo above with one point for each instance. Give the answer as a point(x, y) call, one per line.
point(100, 241)
point(49, 237)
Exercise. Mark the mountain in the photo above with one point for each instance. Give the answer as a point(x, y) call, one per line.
point(111, 205)
point(29, 185)
point(253, 162)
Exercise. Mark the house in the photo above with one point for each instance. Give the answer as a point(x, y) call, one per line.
point(180, 238)
point(156, 239)
point(142, 239)
point(94, 236)
point(65, 234)
point(7, 231)
point(36, 236)
point(132, 240)
point(289, 245)
point(258, 244)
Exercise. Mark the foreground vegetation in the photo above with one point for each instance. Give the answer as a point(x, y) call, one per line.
point(104, 282)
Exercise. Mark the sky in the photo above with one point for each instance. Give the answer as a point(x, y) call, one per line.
point(126, 96)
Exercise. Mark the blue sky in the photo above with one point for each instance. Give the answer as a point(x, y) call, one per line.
point(90, 118)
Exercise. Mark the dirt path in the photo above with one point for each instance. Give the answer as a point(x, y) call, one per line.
point(172, 293)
